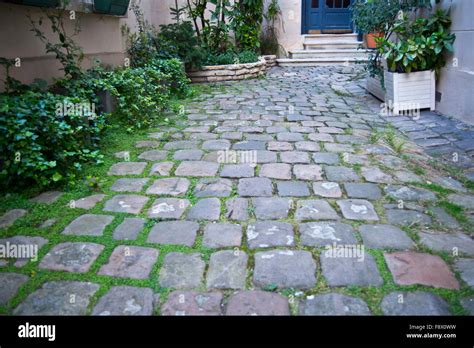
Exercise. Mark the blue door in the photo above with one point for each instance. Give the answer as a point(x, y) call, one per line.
point(326, 15)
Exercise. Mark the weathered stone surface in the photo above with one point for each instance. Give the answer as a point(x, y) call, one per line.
point(255, 187)
point(88, 225)
point(402, 217)
point(170, 186)
point(188, 155)
point(222, 235)
point(237, 209)
point(280, 146)
point(238, 171)
point(227, 270)
point(213, 188)
point(350, 269)
point(284, 269)
point(127, 168)
point(130, 262)
point(294, 157)
point(181, 271)
point(71, 257)
point(174, 232)
point(357, 209)
point(181, 145)
point(315, 210)
point(124, 301)
point(146, 143)
point(327, 189)
point(162, 169)
point(374, 174)
point(168, 208)
point(280, 171)
point(293, 189)
point(54, 298)
point(129, 229)
point(307, 146)
point(129, 185)
point(9, 218)
point(363, 190)
point(197, 168)
point(266, 156)
point(270, 234)
point(153, 155)
point(466, 269)
point(47, 197)
point(257, 303)
point(444, 219)
point(308, 172)
point(216, 145)
point(409, 193)
point(449, 183)
point(414, 303)
point(454, 244)
point(468, 304)
point(11, 283)
point(465, 201)
point(325, 158)
point(340, 174)
point(323, 233)
point(181, 303)
point(249, 145)
point(385, 237)
point(205, 209)
point(333, 304)
point(272, 208)
point(131, 204)
point(410, 268)
point(88, 202)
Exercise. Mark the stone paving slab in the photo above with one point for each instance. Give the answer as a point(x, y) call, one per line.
point(130, 204)
point(257, 303)
point(11, 283)
point(333, 304)
point(182, 303)
point(9, 218)
point(71, 257)
point(227, 270)
point(88, 225)
point(414, 303)
point(181, 271)
point(124, 301)
point(174, 232)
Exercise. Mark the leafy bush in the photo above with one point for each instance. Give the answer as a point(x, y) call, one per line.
point(41, 145)
point(247, 22)
point(174, 70)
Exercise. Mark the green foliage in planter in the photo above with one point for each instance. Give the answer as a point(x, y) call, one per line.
point(42, 146)
point(421, 44)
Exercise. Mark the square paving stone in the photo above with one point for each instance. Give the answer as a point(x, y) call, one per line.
point(287, 136)
point(124, 301)
point(174, 232)
point(308, 172)
point(466, 269)
point(324, 233)
point(129, 185)
point(293, 189)
point(131, 204)
point(414, 303)
point(409, 193)
point(127, 168)
point(130, 262)
point(327, 189)
point(344, 267)
point(153, 155)
point(340, 174)
point(285, 269)
point(409, 268)
point(169, 187)
point(357, 209)
point(188, 155)
point(88, 202)
point(294, 157)
point(237, 209)
point(47, 197)
point(307, 146)
point(197, 168)
point(54, 298)
point(257, 303)
point(333, 304)
point(238, 171)
point(326, 158)
point(255, 187)
point(182, 303)
point(280, 171)
point(266, 156)
point(205, 209)
point(182, 271)
point(374, 174)
point(162, 169)
point(88, 225)
point(280, 146)
point(168, 208)
point(271, 208)
point(216, 145)
point(11, 283)
point(457, 243)
point(270, 234)
point(71, 257)
point(385, 237)
point(221, 235)
point(315, 210)
point(363, 190)
point(227, 270)
point(129, 229)
point(402, 217)
point(213, 188)
point(9, 218)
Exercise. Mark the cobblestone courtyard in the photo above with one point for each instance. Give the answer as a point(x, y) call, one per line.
point(341, 215)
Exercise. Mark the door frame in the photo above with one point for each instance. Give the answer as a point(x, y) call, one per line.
point(304, 29)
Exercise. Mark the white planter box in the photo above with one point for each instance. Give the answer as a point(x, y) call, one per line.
point(374, 87)
point(410, 91)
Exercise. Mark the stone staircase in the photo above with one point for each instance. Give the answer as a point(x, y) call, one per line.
point(326, 49)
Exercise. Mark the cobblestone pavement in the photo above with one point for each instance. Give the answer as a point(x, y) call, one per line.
point(329, 212)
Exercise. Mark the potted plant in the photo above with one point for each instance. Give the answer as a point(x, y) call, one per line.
point(414, 60)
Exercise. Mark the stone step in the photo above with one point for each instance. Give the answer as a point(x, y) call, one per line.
point(330, 37)
point(319, 61)
point(341, 54)
point(331, 45)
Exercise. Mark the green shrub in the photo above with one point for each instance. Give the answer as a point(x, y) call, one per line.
point(42, 145)
point(174, 70)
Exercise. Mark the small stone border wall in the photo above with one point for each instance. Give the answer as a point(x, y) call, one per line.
point(215, 73)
